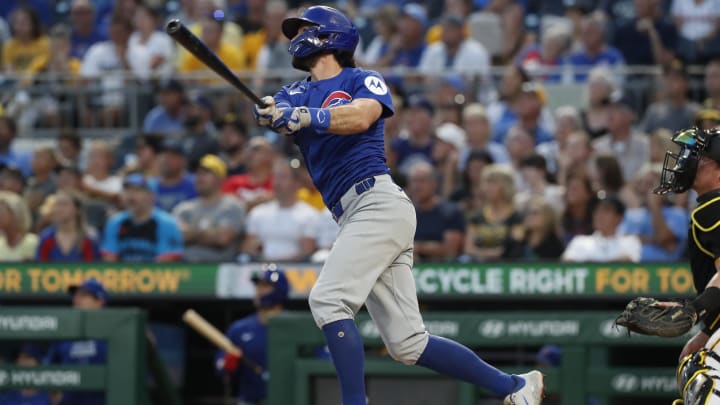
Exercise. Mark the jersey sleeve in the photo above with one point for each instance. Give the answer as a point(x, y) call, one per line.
point(282, 98)
point(369, 84)
point(170, 240)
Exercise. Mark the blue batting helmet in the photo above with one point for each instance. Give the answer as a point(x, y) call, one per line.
point(275, 277)
point(330, 30)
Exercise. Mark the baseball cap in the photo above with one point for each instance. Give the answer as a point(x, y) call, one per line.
point(137, 180)
point(452, 134)
point(173, 145)
point(416, 11)
point(536, 89)
point(418, 101)
point(550, 355)
point(453, 20)
point(213, 164)
point(152, 141)
point(171, 85)
point(202, 100)
point(612, 202)
point(32, 350)
point(92, 286)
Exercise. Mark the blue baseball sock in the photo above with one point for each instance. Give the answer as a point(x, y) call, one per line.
point(348, 355)
point(455, 360)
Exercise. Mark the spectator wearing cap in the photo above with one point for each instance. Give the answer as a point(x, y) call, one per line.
point(17, 243)
point(656, 221)
point(595, 50)
point(646, 39)
point(67, 238)
point(98, 181)
point(440, 223)
point(155, 45)
point(281, 229)
point(606, 243)
point(421, 137)
point(477, 128)
point(233, 140)
point(211, 34)
point(455, 51)
point(107, 63)
point(255, 186)
point(42, 182)
point(503, 111)
point(211, 223)
point(90, 295)
point(84, 30)
point(141, 233)
point(8, 155)
point(175, 184)
point(30, 355)
point(408, 44)
point(533, 170)
point(711, 83)
point(673, 110)
point(168, 116)
point(200, 133)
point(529, 108)
point(707, 119)
point(450, 141)
point(630, 146)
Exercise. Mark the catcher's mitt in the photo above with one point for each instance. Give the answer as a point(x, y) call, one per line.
point(645, 316)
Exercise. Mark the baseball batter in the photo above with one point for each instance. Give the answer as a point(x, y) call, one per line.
point(336, 117)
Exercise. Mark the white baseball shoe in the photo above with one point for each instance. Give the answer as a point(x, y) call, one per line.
point(531, 393)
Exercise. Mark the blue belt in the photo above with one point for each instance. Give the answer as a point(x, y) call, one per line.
point(360, 187)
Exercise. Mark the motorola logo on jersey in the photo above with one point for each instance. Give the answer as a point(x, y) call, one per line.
point(375, 85)
point(336, 98)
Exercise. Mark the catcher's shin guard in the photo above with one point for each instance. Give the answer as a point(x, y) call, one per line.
point(699, 379)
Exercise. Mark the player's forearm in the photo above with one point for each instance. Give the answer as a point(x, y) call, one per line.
point(350, 119)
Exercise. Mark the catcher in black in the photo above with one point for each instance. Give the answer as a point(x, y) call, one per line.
point(695, 166)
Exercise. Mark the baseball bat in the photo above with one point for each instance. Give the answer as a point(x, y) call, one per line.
point(179, 32)
point(211, 333)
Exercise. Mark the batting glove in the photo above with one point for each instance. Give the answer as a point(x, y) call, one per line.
point(265, 116)
point(231, 362)
point(291, 120)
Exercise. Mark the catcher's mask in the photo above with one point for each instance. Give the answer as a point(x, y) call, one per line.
point(679, 168)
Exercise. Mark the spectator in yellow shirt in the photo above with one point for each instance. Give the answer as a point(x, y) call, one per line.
point(29, 50)
point(211, 34)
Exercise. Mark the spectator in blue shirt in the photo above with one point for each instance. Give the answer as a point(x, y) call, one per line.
point(440, 223)
point(408, 45)
point(30, 356)
point(66, 240)
point(659, 224)
point(142, 233)
point(169, 115)
point(84, 30)
point(175, 184)
point(90, 295)
point(595, 51)
point(8, 156)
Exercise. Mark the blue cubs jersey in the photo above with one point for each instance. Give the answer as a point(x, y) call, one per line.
point(336, 162)
point(250, 335)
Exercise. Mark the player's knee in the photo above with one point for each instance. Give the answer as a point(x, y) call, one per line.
point(409, 350)
point(326, 306)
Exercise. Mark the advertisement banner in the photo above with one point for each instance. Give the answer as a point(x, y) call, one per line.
point(232, 280)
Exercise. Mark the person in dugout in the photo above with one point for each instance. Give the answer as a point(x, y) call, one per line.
point(249, 370)
point(88, 296)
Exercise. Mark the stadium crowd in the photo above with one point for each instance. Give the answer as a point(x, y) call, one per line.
point(495, 171)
